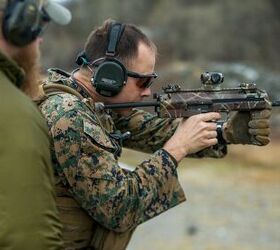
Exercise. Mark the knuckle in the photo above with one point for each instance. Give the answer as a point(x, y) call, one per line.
point(213, 141)
point(204, 129)
point(212, 126)
point(215, 134)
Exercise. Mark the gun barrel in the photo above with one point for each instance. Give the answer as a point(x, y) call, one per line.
point(151, 104)
point(131, 105)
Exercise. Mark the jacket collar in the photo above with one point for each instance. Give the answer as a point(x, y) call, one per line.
point(11, 69)
point(62, 77)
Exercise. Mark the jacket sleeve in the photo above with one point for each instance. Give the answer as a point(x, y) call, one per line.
point(116, 198)
point(149, 133)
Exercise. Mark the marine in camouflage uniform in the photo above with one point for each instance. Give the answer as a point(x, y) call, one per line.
point(101, 203)
point(85, 151)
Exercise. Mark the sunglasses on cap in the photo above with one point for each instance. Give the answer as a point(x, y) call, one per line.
point(145, 80)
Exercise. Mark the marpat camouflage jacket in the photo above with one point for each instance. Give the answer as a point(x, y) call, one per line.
point(86, 146)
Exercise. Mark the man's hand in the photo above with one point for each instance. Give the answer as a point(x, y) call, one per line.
point(248, 127)
point(192, 135)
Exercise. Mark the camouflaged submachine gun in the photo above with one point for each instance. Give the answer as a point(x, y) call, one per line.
point(210, 97)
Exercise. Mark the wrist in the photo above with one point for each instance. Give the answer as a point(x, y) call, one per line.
point(177, 153)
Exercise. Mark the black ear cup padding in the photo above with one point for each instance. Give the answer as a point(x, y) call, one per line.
point(21, 22)
point(110, 77)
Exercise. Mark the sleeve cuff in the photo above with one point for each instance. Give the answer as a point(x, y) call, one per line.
point(171, 157)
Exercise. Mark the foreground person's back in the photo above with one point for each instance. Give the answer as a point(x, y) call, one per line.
point(28, 215)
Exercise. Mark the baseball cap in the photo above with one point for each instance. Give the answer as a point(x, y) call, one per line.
point(56, 12)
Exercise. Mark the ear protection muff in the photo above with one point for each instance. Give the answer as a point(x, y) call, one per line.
point(110, 75)
point(22, 21)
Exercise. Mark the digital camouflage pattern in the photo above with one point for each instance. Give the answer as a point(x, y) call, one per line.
point(85, 156)
point(150, 133)
point(86, 147)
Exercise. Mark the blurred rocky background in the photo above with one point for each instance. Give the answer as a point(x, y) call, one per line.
point(233, 203)
point(238, 38)
point(241, 31)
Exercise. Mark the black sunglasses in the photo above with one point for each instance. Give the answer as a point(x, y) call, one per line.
point(147, 79)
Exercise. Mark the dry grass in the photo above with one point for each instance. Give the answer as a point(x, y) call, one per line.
point(244, 155)
point(267, 156)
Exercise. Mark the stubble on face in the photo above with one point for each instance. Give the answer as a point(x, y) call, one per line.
point(29, 59)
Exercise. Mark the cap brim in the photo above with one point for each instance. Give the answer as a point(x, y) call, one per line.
point(57, 13)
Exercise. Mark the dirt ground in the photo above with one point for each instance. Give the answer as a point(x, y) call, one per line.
point(232, 203)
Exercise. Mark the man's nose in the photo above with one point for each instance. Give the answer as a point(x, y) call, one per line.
point(146, 92)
